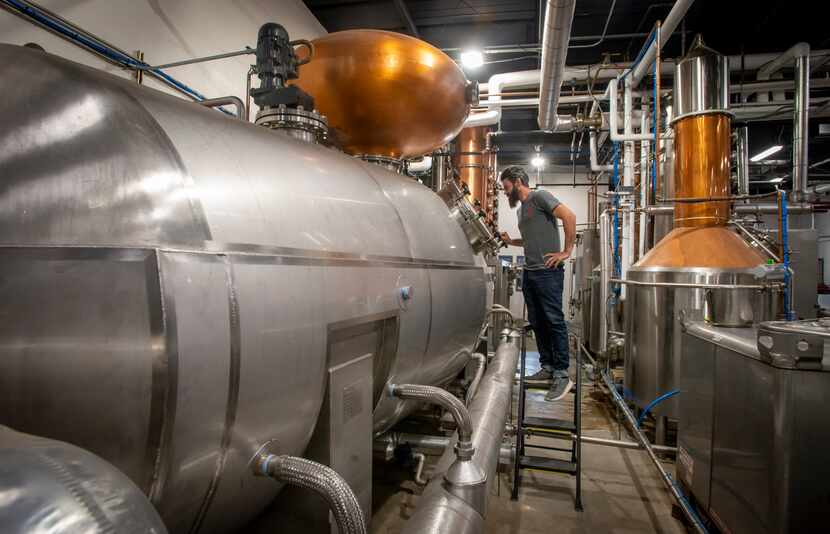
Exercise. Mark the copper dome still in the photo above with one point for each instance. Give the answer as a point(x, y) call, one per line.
point(386, 94)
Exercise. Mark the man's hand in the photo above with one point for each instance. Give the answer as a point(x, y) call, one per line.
point(554, 259)
point(505, 238)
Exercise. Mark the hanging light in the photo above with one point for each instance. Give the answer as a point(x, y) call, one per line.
point(472, 59)
point(766, 153)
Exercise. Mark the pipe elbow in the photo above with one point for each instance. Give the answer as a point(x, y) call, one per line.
point(448, 401)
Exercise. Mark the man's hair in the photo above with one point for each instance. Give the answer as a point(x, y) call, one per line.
point(515, 174)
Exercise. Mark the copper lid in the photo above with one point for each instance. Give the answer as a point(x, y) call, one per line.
point(704, 247)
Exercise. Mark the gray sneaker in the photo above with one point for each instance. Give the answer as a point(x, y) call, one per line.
point(560, 387)
point(542, 375)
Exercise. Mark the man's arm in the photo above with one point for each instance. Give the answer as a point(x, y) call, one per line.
point(568, 218)
point(510, 241)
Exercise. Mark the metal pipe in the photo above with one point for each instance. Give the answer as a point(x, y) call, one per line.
point(605, 265)
point(251, 72)
point(614, 119)
point(743, 209)
point(757, 241)
point(742, 153)
point(481, 365)
point(557, 32)
point(421, 459)
point(246, 51)
point(226, 101)
point(89, 41)
point(641, 439)
point(443, 508)
point(448, 401)
point(801, 131)
point(688, 284)
point(604, 29)
point(322, 480)
point(592, 149)
point(620, 444)
point(669, 25)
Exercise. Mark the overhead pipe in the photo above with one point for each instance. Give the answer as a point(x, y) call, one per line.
point(322, 480)
point(443, 508)
point(800, 55)
point(668, 26)
point(557, 32)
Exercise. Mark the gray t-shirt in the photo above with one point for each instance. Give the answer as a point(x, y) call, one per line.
point(539, 229)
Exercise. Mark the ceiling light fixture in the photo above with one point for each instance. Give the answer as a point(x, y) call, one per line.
point(766, 153)
point(777, 180)
point(472, 59)
point(538, 161)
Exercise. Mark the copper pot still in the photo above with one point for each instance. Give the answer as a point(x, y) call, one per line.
point(386, 94)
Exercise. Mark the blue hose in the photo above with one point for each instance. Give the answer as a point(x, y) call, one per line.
point(654, 403)
point(99, 48)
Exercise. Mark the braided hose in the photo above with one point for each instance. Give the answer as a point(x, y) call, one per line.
point(448, 401)
point(322, 480)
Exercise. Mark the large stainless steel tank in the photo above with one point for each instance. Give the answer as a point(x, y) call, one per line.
point(169, 276)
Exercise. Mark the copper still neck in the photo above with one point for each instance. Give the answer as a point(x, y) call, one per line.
point(472, 163)
point(701, 169)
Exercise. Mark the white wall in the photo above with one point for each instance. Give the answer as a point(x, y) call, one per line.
point(167, 31)
point(576, 198)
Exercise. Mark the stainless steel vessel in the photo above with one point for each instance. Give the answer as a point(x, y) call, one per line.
point(701, 269)
point(753, 413)
point(170, 277)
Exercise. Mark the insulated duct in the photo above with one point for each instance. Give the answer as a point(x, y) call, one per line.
point(441, 510)
point(557, 34)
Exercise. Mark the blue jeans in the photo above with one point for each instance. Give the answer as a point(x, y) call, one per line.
point(543, 295)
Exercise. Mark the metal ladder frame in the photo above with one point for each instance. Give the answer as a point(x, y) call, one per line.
point(576, 433)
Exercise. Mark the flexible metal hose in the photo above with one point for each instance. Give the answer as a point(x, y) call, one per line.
point(448, 401)
point(322, 480)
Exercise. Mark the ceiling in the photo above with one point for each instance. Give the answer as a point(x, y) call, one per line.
point(727, 26)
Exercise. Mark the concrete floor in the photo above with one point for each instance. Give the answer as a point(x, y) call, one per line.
point(621, 491)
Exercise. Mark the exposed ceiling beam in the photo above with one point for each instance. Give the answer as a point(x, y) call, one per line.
point(407, 18)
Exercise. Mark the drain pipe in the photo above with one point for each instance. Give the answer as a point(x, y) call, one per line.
point(670, 483)
point(557, 33)
point(605, 276)
point(322, 480)
point(444, 507)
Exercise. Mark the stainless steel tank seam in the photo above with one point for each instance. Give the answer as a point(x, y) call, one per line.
point(322, 480)
point(234, 376)
point(165, 378)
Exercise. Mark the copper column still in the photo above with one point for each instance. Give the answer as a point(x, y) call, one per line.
point(472, 163)
point(700, 251)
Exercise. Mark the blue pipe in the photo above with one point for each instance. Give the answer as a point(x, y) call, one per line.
point(615, 178)
point(654, 403)
point(788, 313)
point(99, 48)
point(641, 53)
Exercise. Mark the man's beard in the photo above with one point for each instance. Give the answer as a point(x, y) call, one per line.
point(513, 197)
